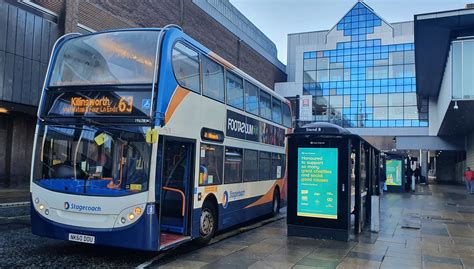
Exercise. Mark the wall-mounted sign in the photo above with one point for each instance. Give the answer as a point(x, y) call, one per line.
point(394, 172)
point(306, 108)
point(243, 127)
point(317, 183)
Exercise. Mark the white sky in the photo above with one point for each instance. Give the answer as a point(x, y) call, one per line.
point(278, 18)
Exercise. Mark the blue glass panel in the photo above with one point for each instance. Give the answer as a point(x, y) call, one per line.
point(391, 88)
point(340, 59)
point(313, 55)
point(399, 123)
point(333, 59)
point(384, 82)
point(325, 92)
point(339, 91)
point(391, 123)
point(377, 22)
point(306, 55)
point(376, 56)
point(354, 108)
point(376, 123)
point(399, 81)
point(407, 123)
point(369, 50)
point(399, 88)
point(391, 82)
point(407, 46)
point(392, 48)
point(407, 88)
point(377, 42)
point(346, 111)
point(340, 45)
point(415, 123)
point(369, 123)
point(383, 123)
point(332, 85)
point(383, 89)
point(326, 53)
point(347, 91)
point(339, 52)
point(332, 53)
point(400, 47)
point(353, 98)
point(384, 55)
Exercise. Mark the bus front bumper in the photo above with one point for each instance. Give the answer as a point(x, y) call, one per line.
point(142, 235)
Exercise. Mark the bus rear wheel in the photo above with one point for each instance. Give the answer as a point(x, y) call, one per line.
point(276, 203)
point(208, 223)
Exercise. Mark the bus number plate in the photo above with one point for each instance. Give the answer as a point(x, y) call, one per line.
point(82, 238)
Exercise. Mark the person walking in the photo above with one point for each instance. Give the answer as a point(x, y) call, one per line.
point(468, 176)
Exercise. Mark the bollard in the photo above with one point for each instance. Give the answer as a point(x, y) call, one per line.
point(375, 214)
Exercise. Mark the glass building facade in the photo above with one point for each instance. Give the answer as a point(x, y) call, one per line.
point(364, 82)
point(463, 69)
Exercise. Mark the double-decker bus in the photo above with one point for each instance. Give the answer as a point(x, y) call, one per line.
point(146, 139)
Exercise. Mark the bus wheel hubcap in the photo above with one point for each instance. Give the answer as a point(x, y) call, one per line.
point(207, 222)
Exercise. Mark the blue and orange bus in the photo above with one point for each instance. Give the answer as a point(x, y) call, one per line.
point(146, 139)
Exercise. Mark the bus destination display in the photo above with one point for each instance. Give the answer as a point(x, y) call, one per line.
point(104, 104)
point(394, 172)
point(317, 182)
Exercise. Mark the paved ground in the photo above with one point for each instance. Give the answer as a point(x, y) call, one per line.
point(431, 229)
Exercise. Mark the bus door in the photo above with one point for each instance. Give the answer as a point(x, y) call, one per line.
point(176, 190)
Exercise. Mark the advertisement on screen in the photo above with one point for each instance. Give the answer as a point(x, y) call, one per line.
point(394, 172)
point(317, 182)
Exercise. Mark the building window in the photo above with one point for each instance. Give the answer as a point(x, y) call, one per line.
point(212, 79)
point(210, 169)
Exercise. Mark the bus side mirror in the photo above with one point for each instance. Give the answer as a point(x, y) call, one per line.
point(151, 136)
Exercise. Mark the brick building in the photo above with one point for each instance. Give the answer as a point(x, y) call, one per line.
point(29, 28)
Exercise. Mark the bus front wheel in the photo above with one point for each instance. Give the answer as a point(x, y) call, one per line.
point(208, 223)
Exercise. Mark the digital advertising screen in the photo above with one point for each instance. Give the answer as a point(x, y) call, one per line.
point(394, 172)
point(317, 182)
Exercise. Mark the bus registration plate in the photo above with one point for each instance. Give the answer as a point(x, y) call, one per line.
point(82, 238)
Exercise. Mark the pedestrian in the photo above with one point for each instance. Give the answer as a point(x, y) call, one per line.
point(417, 173)
point(468, 175)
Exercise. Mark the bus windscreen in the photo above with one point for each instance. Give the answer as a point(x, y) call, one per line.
point(112, 58)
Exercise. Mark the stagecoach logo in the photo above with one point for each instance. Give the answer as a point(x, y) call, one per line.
point(81, 208)
point(225, 200)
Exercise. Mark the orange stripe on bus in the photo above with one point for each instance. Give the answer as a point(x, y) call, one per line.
point(221, 60)
point(267, 197)
point(177, 98)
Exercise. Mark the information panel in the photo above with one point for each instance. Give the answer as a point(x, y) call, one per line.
point(394, 172)
point(317, 182)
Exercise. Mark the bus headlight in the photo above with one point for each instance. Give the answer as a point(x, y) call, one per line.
point(138, 211)
point(46, 211)
point(123, 220)
point(131, 216)
point(41, 207)
point(37, 200)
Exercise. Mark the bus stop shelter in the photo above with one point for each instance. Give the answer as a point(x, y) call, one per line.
point(332, 176)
